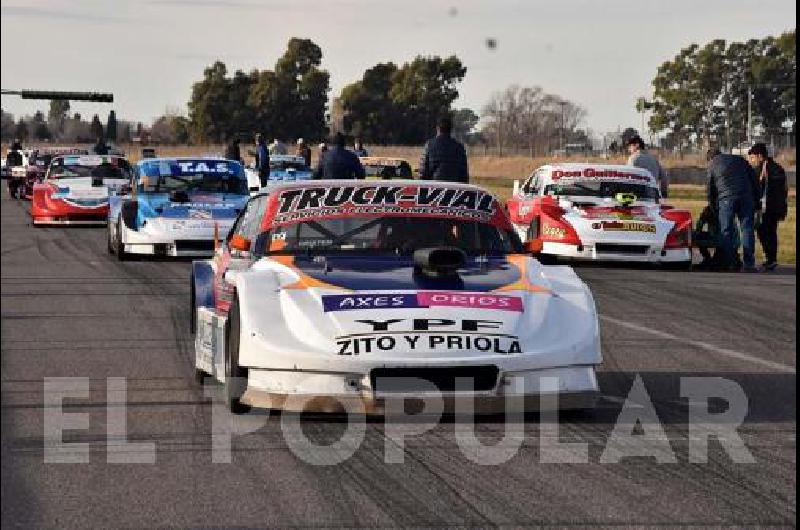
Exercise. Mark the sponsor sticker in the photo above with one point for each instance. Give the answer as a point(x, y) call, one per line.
point(334, 201)
point(625, 226)
point(422, 299)
point(436, 335)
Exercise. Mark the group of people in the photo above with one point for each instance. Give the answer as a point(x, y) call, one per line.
point(444, 158)
point(748, 197)
point(745, 198)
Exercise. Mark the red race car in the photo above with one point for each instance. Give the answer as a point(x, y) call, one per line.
point(34, 171)
point(76, 187)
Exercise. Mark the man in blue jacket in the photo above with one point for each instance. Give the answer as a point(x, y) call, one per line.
point(445, 159)
point(262, 160)
point(733, 187)
point(339, 163)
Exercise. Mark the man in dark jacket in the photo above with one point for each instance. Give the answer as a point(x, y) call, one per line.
point(262, 160)
point(445, 158)
point(233, 152)
point(774, 200)
point(733, 187)
point(339, 163)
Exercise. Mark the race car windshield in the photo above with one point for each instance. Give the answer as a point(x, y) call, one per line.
point(602, 189)
point(387, 236)
point(104, 171)
point(204, 182)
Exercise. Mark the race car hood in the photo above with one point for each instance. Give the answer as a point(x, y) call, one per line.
point(210, 206)
point(337, 307)
point(83, 191)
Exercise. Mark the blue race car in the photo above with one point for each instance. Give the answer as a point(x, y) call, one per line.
point(282, 169)
point(176, 207)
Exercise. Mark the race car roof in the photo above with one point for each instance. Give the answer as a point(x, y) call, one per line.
point(553, 173)
point(154, 167)
point(382, 161)
point(88, 160)
point(287, 158)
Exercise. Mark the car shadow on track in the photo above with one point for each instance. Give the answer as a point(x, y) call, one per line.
point(771, 398)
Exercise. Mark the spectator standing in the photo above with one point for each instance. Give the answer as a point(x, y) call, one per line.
point(233, 152)
point(643, 159)
point(304, 151)
point(262, 160)
point(277, 147)
point(445, 159)
point(733, 187)
point(14, 154)
point(773, 197)
point(339, 163)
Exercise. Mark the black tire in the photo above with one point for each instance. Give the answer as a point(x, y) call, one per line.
point(678, 266)
point(235, 375)
point(119, 246)
point(547, 259)
point(109, 244)
point(192, 309)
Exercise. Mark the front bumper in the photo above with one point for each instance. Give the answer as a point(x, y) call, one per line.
point(297, 391)
point(631, 253)
point(187, 242)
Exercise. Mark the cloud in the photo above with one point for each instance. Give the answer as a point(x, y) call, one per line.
point(55, 14)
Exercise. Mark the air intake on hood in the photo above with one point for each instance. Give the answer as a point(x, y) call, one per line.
point(439, 261)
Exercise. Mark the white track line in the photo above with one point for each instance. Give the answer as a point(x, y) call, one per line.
point(704, 345)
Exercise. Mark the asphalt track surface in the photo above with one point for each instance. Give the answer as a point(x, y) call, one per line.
point(71, 310)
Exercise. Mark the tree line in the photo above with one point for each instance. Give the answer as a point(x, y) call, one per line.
point(701, 96)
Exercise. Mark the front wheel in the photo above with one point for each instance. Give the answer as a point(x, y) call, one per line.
point(235, 375)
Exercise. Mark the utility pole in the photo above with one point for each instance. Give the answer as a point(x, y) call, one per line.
point(563, 125)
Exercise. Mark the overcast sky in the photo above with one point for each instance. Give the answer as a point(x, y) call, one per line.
point(600, 53)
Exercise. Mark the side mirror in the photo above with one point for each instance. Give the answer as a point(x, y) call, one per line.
point(239, 243)
point(534, 246)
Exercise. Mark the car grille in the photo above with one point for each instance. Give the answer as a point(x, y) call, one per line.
point(197, 245)
point(407, 380)
point(615, 248)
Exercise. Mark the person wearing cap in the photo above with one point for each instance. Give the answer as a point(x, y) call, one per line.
point(733, 187)
point(304, 151)
point(773, 196)
point(643, 159)
point(262, 160)
point(339, 163)
point(444, 159)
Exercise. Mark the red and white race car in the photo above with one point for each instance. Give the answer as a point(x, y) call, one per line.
point(76, 187)
point(600, 212)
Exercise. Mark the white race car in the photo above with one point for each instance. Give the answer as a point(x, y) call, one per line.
point(331, 295)
point(176, 207)
point(601, 212)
